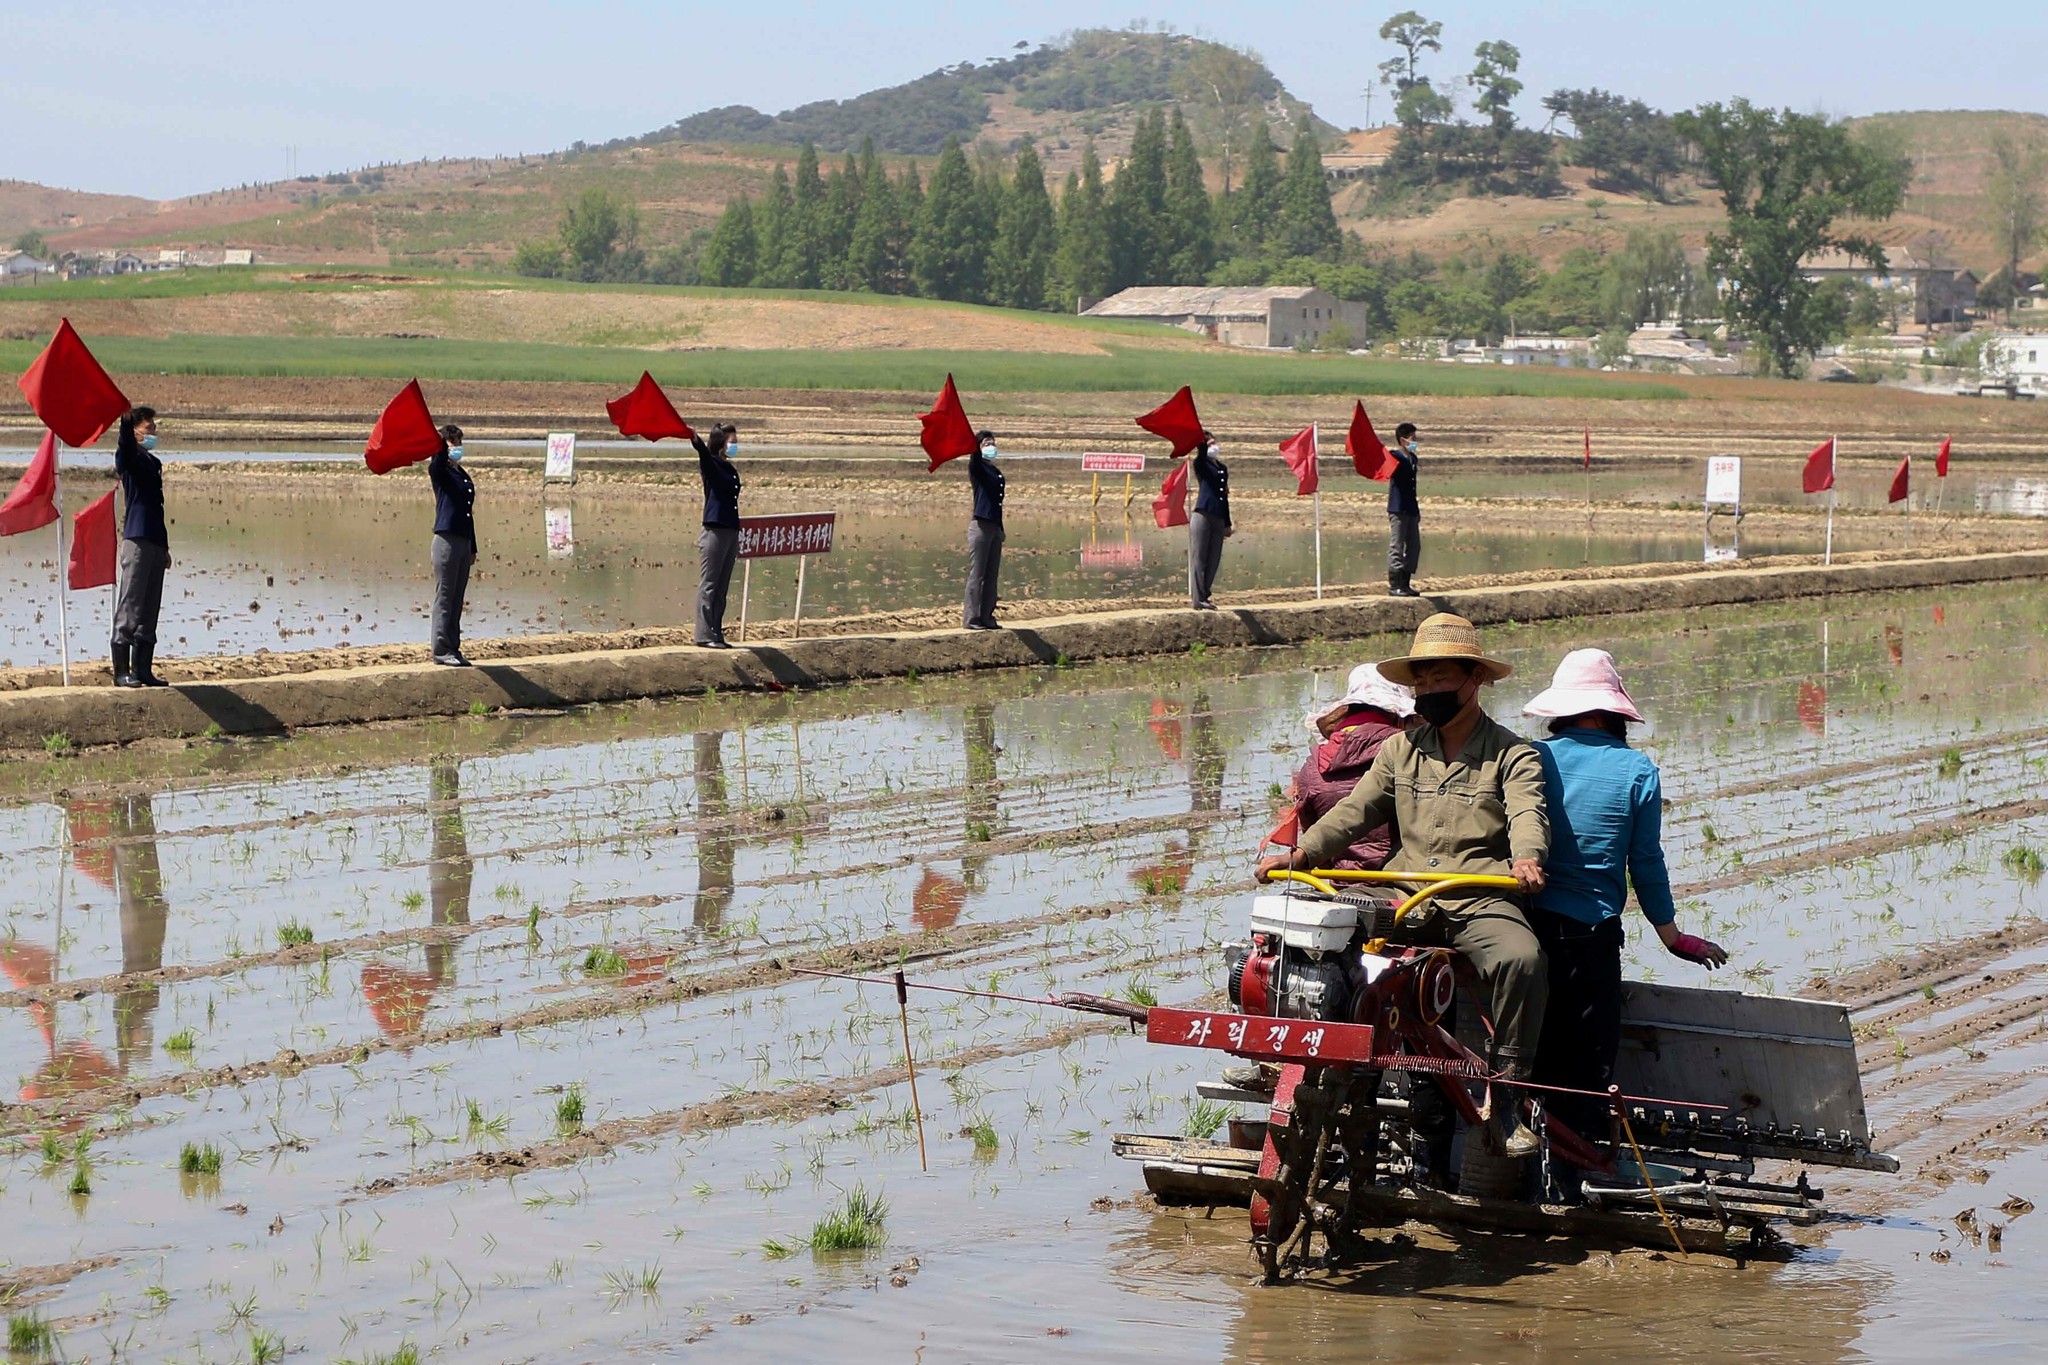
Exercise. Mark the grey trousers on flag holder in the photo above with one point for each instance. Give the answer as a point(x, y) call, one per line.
point(1205, 555)
point(1404, 549)
point(984, 557)
point(141, 565)
point(453, 556)
point(718, 549)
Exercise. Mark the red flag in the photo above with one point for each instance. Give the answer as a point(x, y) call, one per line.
point(1589, 448)
point(92, 544)
point(1170, 508)
point(1368, 453)
point(33, 502)
point(1902, 481)
point(947, 433)
point(70, 392)
point(1299, 451)
point(1941, 458)
point(1175, 420)
point(405, 433)
point(1286, 834)
point(647, 412)
point(1820, 468)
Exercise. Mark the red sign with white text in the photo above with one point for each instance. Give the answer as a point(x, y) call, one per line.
point(799, 533)
point(1110, 462)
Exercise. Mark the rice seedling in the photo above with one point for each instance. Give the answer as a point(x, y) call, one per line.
point(604, 962)
point(984, 1134)
point(775, 1249)
point(645, 1280)
point(482, 1125)
point(1204, 1118)
point(57, 745)
point(292, 934)
point(856, 1225)
point(265, 1347)
point(2024, 860)
point(81, 1179)
point(406, 1354)
point(197, 1160)
point(1138, 993)
point(1951, 764)
point(28, 1334)
point(569, 1110)
point(479, 708)
point(181, 1044)
point(53, 1150)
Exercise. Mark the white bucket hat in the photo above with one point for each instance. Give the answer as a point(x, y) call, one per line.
point(1586, 680)
point(1367, 688)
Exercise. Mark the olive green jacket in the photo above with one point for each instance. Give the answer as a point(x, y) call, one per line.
point(1475, 813)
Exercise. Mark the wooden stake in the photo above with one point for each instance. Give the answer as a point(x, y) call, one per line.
point(909, 1065)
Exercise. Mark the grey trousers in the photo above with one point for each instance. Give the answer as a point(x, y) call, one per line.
point(141, 566)
point(453, 556)
point(1404, 549)
point(718, 549)
point(1205, 555)
point(1495, 937)
point(984, 557)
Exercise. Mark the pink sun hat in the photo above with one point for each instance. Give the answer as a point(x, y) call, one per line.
point(1586, 680)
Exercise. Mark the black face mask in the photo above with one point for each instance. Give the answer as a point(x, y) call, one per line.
point(1438, 708)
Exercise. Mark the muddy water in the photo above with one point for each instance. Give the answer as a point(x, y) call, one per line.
point(503, 909)
point(279, 569)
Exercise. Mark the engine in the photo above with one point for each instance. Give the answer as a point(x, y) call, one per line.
point(1304, 962)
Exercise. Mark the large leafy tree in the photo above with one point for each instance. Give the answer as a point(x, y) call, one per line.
point(2015, 207)
point(598, 233)
point(731, 256)
point(1493, 82)
point(1786, 179)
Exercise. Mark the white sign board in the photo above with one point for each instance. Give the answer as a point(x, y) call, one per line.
point(1109, 462)
point(561, 455)
point(1724, 480)
point(561, 533)
point(1721, 554)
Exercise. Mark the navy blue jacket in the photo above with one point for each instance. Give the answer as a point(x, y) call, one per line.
point(1213, 476)
point(1401, 488)
point(454, 498)
point(721, 486)
point(988, 487)
point(142, 492)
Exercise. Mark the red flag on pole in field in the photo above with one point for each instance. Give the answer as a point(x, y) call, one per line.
point(70, 392)
point(1820, 468)
point(1941, 458)
point(1902, 481)
point(1299, 450)
point(405, 433)
point(1368, 453)
point(947, 433)
point(647, 412)
point(92, 544)
point(1175, 419)
point(1170, 508)
point(33, 502)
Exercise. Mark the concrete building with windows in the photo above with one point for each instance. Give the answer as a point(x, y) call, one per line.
point(1269, 317)
point(1940, 293)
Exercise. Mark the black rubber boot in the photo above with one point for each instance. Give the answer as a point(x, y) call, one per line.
point(145, 655)
point(124, 671)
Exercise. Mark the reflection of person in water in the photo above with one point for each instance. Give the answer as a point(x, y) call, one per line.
point(1206, 760)
point(978, 737)
point(398, 996)
point(715, 841)
point(138, 884)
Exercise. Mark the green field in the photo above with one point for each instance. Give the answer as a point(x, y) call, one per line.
point(1131, 370)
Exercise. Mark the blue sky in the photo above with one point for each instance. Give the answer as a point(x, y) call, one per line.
point(163, 100)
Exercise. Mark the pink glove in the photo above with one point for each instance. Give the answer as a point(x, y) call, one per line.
point(1693, 948)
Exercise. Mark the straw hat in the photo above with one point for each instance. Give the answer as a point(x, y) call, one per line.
point(1586, 681)
point(1443, 636)
point(1367, 688)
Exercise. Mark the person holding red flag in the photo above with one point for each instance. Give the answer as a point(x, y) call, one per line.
point(718, 544)
point(454, 552)
point(1210, 523)
point(1404, 514)
point(145, 551)
point(984, 535)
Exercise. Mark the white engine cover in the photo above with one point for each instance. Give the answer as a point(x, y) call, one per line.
point(1316, 925)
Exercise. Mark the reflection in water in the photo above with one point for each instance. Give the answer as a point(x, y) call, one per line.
point(399, 996)
point(715, 839)
point(979, 796)
point(138, 884)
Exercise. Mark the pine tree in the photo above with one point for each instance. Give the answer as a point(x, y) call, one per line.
point(870, 165)
point(1308, 226)
point(1140, 242)
point(803, 239)
point(909, 207)
point(1254, 210)
point(871, 260)
point(1190, 218)
point(842, 211)
point(1021, 267)
point(729, 257)
point(949, 250)
point(1085, 261)
point(772, 228)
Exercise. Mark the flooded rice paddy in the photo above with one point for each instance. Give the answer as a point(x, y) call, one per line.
point(490, 1028)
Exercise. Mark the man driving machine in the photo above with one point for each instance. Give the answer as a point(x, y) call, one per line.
point(1465, 795)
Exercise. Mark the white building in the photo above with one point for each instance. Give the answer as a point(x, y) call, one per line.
point(1275, 317)
point(13, 263)
point(2020, 358)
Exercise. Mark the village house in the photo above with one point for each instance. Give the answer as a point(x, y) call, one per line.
point(1271, 317)
point(2018, 358)
point(1941, 293)
point(16, 265)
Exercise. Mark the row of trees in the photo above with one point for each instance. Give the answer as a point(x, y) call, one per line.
point(977, 235)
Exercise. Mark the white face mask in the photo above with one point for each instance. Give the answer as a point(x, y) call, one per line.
point(988, 452)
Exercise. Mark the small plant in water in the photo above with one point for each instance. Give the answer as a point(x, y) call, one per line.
point(29, 1335)
point(645, 1280)
point(81, 1178)
point(212, 730)
point(2024, 860)
point(569, 1110)
point(291, 934)
point(1951, 764)
point(57, 745)
point(181, 1043)
point(604, 962)
point(1138, 993)
point(53, 1150)
point(856, 1225)
point(1204, 1118)
point(196, 1160)
point(978, 832)
point(775, 1249)
point(984, 1134)
point(265, 1347)
point(479, 708)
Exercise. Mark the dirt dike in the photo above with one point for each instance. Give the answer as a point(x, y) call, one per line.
point(584, 674)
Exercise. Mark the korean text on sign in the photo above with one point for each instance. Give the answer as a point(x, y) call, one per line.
point(802, 533)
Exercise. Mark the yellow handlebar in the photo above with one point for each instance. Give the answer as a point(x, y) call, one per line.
point(1325, 879)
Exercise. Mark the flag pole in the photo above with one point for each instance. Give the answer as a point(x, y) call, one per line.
point(63, 558)
point(1315, 463)
point(1834, 461)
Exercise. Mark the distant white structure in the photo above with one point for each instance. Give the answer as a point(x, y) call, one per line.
point(2018, 358)
point(1270, 317)
point(15, 263)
